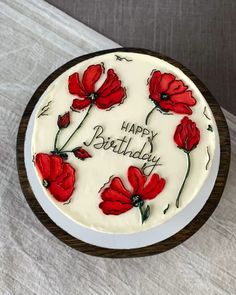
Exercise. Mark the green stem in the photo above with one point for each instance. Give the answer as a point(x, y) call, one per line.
point(59, 152)
point(149, 114)
point(141, 212)
point(56, 138)
point(186, 176)
point(81, 123)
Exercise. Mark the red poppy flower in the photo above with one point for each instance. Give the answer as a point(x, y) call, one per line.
point(170, 94)
point(58, 176)
point(187, 135)
point(109, 94)
point(117, 199)
point(63, 121)
point(81, 153)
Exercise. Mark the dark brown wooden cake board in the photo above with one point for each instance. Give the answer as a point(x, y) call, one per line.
point(172, 241)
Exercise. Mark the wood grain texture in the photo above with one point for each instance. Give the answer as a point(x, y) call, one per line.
point(198, 33)
point(169, 243)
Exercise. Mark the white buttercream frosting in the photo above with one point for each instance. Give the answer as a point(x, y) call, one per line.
point(92, 173)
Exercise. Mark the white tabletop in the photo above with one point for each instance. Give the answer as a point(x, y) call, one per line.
point(36, 38)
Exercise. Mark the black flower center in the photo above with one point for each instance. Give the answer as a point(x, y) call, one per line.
point(164, 96)
point(93, 96)
point(137, 201)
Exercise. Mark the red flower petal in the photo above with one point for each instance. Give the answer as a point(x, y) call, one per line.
point(62, 188)
point(179, 108)
point(80, 104)
point(111, 84)
point(116, 192)
point(178, 138)
point(175, 87)
point(117, 185)
point(90, 77)
point(56, 168)
point(117, 199)
point(60, 176)
point(114, 86)
point(153, 187)
point(166, 79)
point(187, 135)
point(110, 92)
point(67, 178)
point(50, 166)
point(63, 121)
point(81, 153)
point(185, 97)
point(184, 121)
point(114, 208)
point(43, 164)
point(154, 85)
point(75, 86)
point(170, 94)
point(110, 194)
point(59, 193)
point(108, 101)
point(136, 179)
point(194, 138)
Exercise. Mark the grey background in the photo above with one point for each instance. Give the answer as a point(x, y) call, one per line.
point(200, 34)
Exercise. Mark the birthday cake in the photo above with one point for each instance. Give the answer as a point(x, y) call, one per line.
point(122, 142)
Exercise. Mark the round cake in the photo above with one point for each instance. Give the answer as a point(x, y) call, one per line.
point(122, 142)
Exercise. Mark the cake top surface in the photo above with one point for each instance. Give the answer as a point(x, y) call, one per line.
point(122, 142)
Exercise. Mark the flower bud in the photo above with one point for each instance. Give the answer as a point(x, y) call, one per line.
point(63, 121)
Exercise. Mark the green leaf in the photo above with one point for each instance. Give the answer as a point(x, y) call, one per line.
point(209, 128)
point(146, 214)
